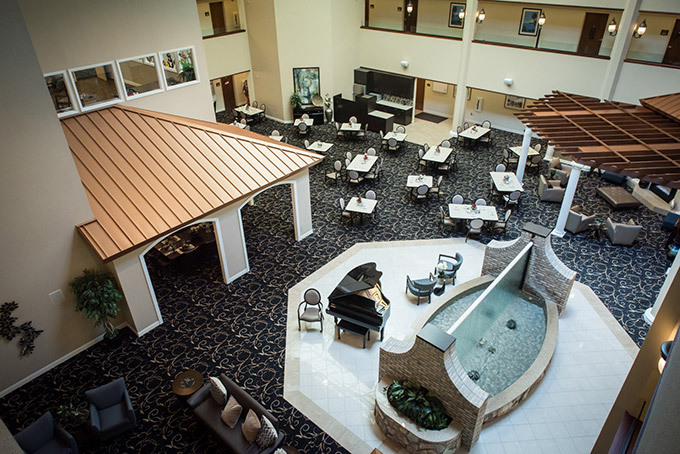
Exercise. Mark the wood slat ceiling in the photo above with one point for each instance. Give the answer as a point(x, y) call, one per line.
point(147, 174)
point(623, 138)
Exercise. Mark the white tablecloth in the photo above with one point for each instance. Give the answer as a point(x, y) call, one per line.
point(512, 185)
point(474, 132)
point(362, 165)
point(320, 146)
point(399, 136)
point(414, 181)
point(249, 110)
point(435, 155)
point(518, 151)
point(365, 207)
point(463, 211)
point(350, 127)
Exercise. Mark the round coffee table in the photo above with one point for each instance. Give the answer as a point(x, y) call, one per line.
point(187, 383)
point(290, 450)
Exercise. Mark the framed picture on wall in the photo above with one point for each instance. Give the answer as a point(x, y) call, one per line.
point(306, 83)
point(514, 102)
point(529, 22)
point(454, 15)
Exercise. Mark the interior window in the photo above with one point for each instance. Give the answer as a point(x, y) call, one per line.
point(179, 67)
point(95, 85)
point(139, 75)
point(59, 92)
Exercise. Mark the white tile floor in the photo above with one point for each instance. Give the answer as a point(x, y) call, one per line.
point(336, 378)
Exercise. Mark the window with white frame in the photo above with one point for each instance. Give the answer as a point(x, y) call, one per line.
point(60, 92)
point(96, 85)
point(140, 76)
point(179, 67)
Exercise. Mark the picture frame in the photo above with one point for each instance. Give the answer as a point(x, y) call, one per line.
point(306, 83)
point(514, 102)
point(528, 24)
point(454, 20)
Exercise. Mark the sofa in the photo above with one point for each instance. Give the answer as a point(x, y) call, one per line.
point(206, 408)
point(44, 435)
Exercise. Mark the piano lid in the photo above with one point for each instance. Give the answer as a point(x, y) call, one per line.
point(363, 277)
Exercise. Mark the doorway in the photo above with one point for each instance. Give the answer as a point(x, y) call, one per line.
point(592, 33)
point(672, 55)
point(217, 16)
point(228, 97)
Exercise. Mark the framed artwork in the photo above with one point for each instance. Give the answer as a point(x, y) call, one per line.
point(514, 102)
point(529, 22)
point(306, 83)
point(454, 19)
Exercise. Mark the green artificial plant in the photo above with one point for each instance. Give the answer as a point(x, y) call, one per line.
point(295, 100)
point(415, 403)
point(97, 296)
point(187, 74)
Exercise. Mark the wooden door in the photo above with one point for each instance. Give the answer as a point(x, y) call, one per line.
point(672, 55)
point(420, 93)
point(217, 16)
point(410, 20)
point(228, 92)
point(592, 33)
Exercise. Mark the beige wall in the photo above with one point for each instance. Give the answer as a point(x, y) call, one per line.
point(439, 103)
point(384, 14)
point(433, 17)
point(652, 46)
point(42, 200)
point(238, 88)
point(75, 33)
point(494, 110)
point(228, 54)
point(132, 280)
point(657, 81)
point(346, 15)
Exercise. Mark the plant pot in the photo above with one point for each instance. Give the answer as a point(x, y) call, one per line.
point(113, 342)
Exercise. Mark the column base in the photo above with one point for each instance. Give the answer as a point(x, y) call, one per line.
point(648, 317)
point(558, 234)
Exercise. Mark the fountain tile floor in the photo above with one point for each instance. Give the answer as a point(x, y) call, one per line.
point(332, 381)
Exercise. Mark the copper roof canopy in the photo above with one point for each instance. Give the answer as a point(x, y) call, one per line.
point(147, 174)
point(623, 138)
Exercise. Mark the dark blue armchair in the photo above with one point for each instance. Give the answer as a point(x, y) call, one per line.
point(44, 435)
point(422, 288)
point(111, 411)
point(452, 265)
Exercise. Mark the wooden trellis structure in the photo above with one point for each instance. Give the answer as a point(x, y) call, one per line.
point(636, 141)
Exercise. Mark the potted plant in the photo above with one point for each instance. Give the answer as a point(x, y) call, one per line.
point(70, 415)
point(97, 296)
point(295, 100)
point(187, 73)
point(415, 403)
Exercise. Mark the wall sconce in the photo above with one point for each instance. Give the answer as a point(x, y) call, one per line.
point(665, 351)
point(409, 7)
point(612, 27)
point(541, 19)
point(461, 13)
point(481, 15)
point(541, 22)
point(640, 30)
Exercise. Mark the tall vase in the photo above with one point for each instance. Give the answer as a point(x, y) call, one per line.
point(329, 114)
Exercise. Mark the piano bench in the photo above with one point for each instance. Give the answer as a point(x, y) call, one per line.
point(344, 325)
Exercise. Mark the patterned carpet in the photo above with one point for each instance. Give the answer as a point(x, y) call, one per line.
point(239, 328)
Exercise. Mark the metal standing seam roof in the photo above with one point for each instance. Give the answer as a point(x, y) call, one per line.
point(623, 138)
point(668, 105)
point(146, 173)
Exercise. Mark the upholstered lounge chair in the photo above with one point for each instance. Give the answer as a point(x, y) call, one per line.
point(111, 411)
point(623, 234)
point(422, 288)
point(549, 191)
point(577, 222)
point(452, 266)
point(44, 435)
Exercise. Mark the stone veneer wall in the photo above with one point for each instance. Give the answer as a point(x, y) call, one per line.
point(442, 374)
point(546, 275)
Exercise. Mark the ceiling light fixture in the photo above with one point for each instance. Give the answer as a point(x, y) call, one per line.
point(640, 30)
point(612, 27)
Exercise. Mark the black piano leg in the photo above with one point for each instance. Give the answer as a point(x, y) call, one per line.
point(382, 334)
point(369, 334)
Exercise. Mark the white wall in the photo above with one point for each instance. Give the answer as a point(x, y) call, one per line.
point(228, 54)
point(438, 103)
point(433, 18)
point(385, 14)
point(75, 33)
point(657, 81)
point(493, 110)
point(652, 45)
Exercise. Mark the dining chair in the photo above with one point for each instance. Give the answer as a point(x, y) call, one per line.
point(466, 125)
point(486, 139)
point(370, 195)
point(302, 129)
point(510, 159)
point(534, 163)
point(262, 115)
point(426, 147)
point(352, 119)
point(304, 116)
point(335, 173)
point(363, 132)
point(349, 155)
point(312, 310)
point(275, 133)
point(421, 162)
point(306, 144)
point(444, 219)
point(501, 225)
point(344, 214)
point(457, 199)
point(254, 104)
point(538, 147)
point(445, 144)
point(374, 174)
point(459, 138)
point(392, 144)
point(486, 124)
point(500, 168)
point(243, 121)
point(475, 228)
point(434, 190)
point(371, 152)
point(400, 129)
point(480, 202)
point(512, 199)
point(337, 130)
point(354, 178)
point(420, 193)
point(447, 165)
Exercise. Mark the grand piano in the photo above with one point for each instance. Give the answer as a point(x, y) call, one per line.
point(358, 300)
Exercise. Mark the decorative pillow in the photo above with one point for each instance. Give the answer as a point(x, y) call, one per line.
point(267, 435)
point(251, 426)
point(231, 412)
point(218, 391)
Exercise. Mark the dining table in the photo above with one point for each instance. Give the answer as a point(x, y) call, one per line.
point(398, 136)
point(362, 163)
point(351, 128)
point(250, 111)
point(320, 146)
point(474, 132)
point(361, 206)
point(506, 182)
point(415, 181)
point(437, 154)
point(465, 212)
point(518, 151)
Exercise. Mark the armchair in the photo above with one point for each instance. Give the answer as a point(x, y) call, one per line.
point(620, 233)
point(449, 266)
point(549, 191)
point(111, 411)
point(559, 171)
point(577, 222)
point(421, 287)
point(45, 435)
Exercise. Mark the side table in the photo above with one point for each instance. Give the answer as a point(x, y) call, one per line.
point(439, 287)
point(597, 231)
point(187, 383)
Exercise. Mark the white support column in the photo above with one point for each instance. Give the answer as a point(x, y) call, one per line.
point(568, 198)
point(549, 152)
point(461, 81)
point(650, 314)
point(522, 163)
